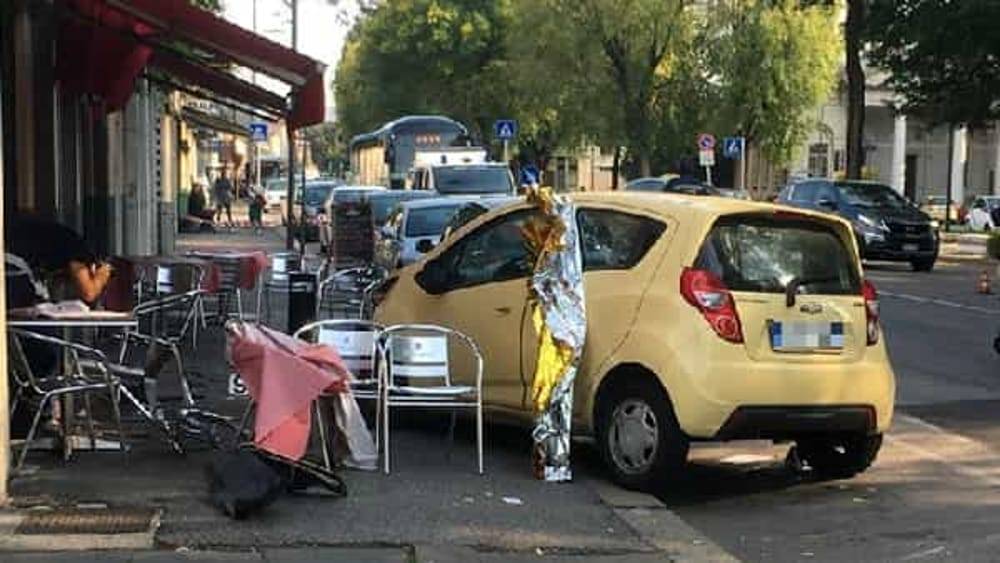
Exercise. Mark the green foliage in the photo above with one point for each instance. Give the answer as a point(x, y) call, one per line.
point(776, 61)
point(647, 74)
point(425, 56)
point(993, 245)
point(327, 148)
point(941, 56)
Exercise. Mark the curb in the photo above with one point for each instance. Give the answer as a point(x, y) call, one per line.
point(659, 526)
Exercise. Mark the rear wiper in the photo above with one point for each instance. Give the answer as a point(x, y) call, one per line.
point(792, 288)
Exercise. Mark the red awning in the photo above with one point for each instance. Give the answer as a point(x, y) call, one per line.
point(152, 23)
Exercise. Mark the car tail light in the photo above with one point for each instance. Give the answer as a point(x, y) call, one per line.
point(705, 292)
point(871, 311)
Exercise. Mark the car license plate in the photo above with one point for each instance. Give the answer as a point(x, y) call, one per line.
point(911, 247)
point(806, 335)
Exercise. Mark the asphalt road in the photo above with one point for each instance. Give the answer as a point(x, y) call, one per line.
point(931, 495)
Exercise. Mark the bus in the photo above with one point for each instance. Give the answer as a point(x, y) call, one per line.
point(384, 157)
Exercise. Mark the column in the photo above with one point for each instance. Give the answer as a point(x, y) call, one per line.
point(899, 154)
point(958, 158)
point(996, 158)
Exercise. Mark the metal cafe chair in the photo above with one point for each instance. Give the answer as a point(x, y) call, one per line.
point(229, 290)
point(160, 281)
point(415, 372)
point(355, 342)
point(281, 264)
point(74, 379)
point(343, 293)
point(148, 333)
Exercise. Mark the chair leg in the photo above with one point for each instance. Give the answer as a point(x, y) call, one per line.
point(239, 304)
point(90, 421)
point(16, 401)
point(31, 432)
point(385, 442)
point(182, 375)
point(451, 433)
point(245, 420)
point(323, 435)
point(479, 431)
point(116, 413)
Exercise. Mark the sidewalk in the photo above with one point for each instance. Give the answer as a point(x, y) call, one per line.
point(433, 507)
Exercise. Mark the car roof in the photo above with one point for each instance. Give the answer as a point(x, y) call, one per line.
point(438, 201)
point(361, 188)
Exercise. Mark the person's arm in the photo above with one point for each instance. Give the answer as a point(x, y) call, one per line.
point(89, 279)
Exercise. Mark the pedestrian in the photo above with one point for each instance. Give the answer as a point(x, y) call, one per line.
point(222, 191)
point(257, 203)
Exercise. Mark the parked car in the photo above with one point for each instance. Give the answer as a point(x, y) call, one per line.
point(315, 199)
point(384, 202)
point(709, 319)
point(276, 190)
point(984, 213)
point(886, 225)
point(671, 184)
point(934, 207)
point(413, 229)
point(346, 196)
point(472, 209)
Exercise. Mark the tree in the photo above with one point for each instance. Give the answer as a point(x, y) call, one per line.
point(942, 57)
point(854, 30)
point(425, 56)
point(774, 62)
point(326, 146)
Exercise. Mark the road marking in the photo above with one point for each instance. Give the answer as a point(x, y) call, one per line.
point(965, 456)
point(940, 302)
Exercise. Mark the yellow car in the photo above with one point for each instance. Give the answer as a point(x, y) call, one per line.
point(707, 319)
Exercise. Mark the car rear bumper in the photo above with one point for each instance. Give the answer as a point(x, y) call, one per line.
point(789, 422)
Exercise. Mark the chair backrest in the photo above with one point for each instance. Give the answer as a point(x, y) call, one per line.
point(230, 269)
point(19, 367)
point(341, 294)
point(171, 279)
point(418, 357)
point(354, 340)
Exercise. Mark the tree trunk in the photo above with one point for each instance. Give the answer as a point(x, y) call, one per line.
point(855, 88)
point(645, 168)
point(616, 165)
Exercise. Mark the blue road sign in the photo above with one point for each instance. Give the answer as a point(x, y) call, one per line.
point(258, 132)
point(505, 129)
point(732, 147)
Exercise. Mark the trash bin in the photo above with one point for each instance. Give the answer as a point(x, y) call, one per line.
point(301, 299)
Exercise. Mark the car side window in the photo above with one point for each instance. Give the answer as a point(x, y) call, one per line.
point(612, 240)
point(979, 204)
point(826, 192)
point(804, 193)
point(494, 252)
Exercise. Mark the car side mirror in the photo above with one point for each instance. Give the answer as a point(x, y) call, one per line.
point(425, 245)
point(827, 204)
point(433, 278)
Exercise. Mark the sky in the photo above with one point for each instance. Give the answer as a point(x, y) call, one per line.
point(322, 26)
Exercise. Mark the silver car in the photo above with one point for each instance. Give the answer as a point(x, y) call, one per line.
point(413, 229)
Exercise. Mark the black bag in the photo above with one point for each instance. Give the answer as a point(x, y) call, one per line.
point(240, 483)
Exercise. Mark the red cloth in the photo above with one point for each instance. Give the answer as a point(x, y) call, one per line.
point(251, 265)
point(284, 376)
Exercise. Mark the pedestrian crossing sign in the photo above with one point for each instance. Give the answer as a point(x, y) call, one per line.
point(505, 129)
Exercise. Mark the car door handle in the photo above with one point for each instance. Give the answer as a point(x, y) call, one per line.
point(502, 310)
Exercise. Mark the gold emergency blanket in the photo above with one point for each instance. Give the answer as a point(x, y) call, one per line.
point(559, 318)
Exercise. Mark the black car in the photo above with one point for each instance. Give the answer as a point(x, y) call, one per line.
point(679, 185)
point(887, 225)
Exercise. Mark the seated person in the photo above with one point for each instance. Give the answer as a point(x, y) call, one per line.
point(59, 257)
point(197, 208)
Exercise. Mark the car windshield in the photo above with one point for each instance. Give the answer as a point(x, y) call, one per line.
point(385, 202)
point(472, 180)
point(764, 254)
point(873, 195)
point(993, 203)
point(428, 221)
point(316, 194)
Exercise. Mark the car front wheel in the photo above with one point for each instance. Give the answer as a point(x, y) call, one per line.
point(923, 264)
point(838, 457)
point(638, 434)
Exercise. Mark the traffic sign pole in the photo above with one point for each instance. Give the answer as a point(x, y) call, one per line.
point(506, 158)
point(743, 166)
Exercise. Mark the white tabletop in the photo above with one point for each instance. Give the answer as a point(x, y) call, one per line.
point(86, 320)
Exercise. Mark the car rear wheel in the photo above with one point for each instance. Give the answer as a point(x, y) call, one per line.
point(923, 264)
point(838, 457)
point(638, 435)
